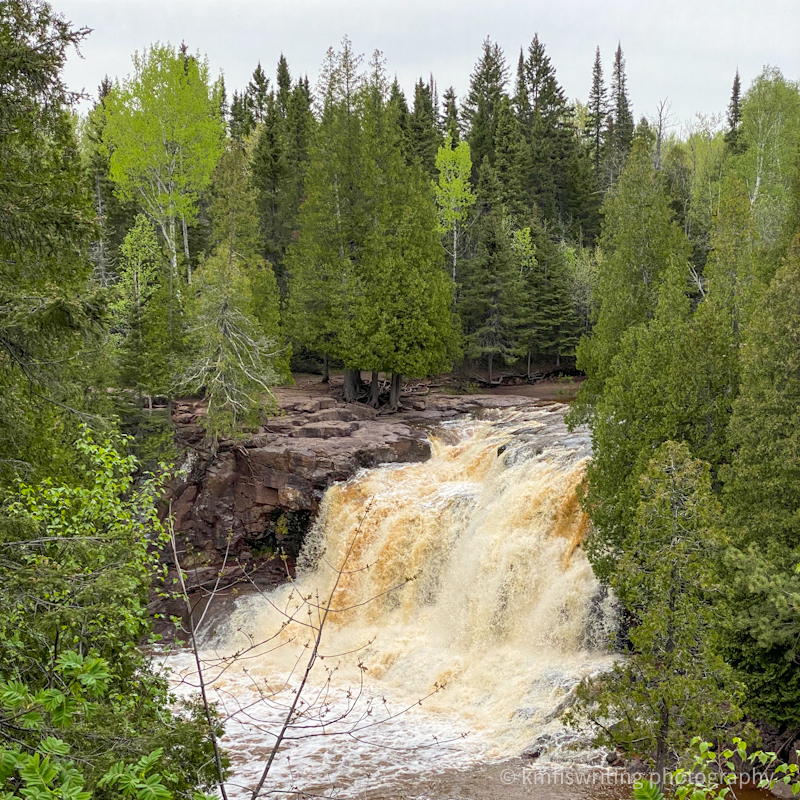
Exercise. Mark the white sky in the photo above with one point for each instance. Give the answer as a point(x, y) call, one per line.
point(685, 51)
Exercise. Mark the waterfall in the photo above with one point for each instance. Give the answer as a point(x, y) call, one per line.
point(465, 586)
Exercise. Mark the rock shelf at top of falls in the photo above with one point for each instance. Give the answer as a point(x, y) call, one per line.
point(261, 494)
point(501, 618)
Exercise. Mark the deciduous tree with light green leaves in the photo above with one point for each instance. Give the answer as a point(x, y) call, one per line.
point(454, 197)
point(164, 137)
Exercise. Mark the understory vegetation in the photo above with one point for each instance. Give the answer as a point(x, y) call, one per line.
point(174, 240)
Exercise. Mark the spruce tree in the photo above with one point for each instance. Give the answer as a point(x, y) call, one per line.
point(598, 110)
point(511, 162)
point(144, 347)
point(487, 84)
point(279, 161)
point(257, 95)
point(490, 302)
point(547, 124)
point(733, 136)
point(424, 138)
point(620, 127)
point(451, 122)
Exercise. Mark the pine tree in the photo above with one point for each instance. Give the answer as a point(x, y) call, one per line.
point(235, 223)
point(598, 110)
point(550, 315)
point(733, 136)
point(547, 124)
point(487, 84)
point(144, 348)
point(283, 82)
point(279, 161)
point(241, 122)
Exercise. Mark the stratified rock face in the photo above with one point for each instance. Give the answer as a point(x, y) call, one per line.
point(264, 492)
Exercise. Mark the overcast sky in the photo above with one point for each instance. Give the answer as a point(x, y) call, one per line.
point(685, 51)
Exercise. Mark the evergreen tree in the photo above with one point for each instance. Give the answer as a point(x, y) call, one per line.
point(674, 685)
point(367, 284)
point(257, 95)
point(451, 122)
point(620, 121)
point(45, 231)
point(424, 138)
point(640, 240)
point(551, 329)
point(234, 216)
point(490, 295)
point(144, 347)
point(598, 111)
point(762, 501)
point(511, 162)
point(487, 84)
point(734, 132)
point(241, 122)
point(279, 161)
point(556, 175)
point(284, 83)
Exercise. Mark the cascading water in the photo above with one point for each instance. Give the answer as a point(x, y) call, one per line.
point(465, 584)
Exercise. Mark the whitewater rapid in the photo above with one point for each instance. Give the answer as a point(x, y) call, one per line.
point(464, 614)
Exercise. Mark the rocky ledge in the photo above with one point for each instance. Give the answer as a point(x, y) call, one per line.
point(261, 493)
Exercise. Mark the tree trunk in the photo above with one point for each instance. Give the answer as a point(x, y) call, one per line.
point(490, 368)
point(186, 250)
point(558, 359)
point(326, 373)
point(394, 392)
point(352, 385)
point(374, 390)
point(529, 365)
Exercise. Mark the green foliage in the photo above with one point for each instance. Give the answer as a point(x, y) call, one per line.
point(78, 560)
point(164, 134)
point(674, 681)
point(486, 85)
point(640, 241)
point(367, 285)
point(770, 127)
point(454, 196)
point(762, 499)
point(48, 312)
point(231, 359)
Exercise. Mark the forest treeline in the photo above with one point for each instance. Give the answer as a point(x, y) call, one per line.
point(176, 241)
